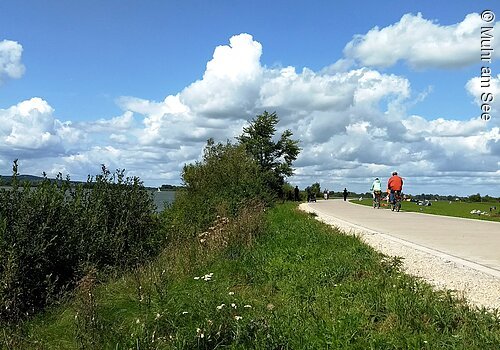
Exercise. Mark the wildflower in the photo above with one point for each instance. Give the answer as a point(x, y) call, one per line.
point(157, 316)
point(233, 305)
point(248, 306)
point(199, 333)
point(196, 278)
point(220, 306)
point(202, 240)
point(425, 341)
point(231, 293)
point(237, 318)
point(137, 321)
point(184, 312)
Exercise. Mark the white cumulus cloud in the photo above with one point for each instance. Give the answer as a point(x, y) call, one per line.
point(352, 124)
point(420, 42)
point(29, 125)
point(10, 60)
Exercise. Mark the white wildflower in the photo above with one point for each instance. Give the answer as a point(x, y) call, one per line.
point(184, 312)
point(237, 318)
point(233, 305)
point(231, 293)
point(220, 306)
point(248, 306)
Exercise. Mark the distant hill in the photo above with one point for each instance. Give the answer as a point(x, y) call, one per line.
point(6, 180)
point(170, 187)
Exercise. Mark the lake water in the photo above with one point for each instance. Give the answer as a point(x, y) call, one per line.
point(163, 198)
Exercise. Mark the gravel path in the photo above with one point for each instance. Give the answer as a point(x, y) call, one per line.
point(479, 288)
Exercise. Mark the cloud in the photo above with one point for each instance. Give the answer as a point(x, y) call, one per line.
point(29, 126)
point(479, 88)
point(352, 126)
point(10, 60)
point(421, 43)
point(230, 81)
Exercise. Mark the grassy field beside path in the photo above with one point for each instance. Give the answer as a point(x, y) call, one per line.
point(446, 208)
point(302, 285)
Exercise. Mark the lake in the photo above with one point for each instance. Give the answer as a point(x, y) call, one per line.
point(163, 198)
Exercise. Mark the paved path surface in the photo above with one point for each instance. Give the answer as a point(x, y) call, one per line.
point(473, 242)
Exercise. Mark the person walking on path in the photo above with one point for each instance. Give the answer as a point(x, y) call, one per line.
point(345, 194)
point(296, 193)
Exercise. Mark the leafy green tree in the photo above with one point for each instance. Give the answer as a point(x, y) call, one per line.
point(274, 157)
point(475, 197)
point(315, 188)
point(220, 184)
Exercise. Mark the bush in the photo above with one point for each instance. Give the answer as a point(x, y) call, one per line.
point(52, 233)
point(221, 184)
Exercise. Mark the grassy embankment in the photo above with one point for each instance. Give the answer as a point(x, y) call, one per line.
point(301, 285)
point(455, 208)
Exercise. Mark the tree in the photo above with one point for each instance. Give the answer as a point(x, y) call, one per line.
point(315, 188)
point(274, 157)
point(475, 198)
point(220, 184)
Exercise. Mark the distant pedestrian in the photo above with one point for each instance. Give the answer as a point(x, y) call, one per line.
point(345, 193)
point(296, 193)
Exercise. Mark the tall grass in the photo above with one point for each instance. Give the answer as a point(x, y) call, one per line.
point(300, 285)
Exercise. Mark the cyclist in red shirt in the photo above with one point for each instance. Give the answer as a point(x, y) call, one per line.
point(394, 185)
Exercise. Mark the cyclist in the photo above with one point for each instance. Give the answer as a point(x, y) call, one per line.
point(376, 192)
point(395, 186)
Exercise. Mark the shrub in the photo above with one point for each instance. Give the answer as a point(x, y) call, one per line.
point(221, 184)
point(51, 234)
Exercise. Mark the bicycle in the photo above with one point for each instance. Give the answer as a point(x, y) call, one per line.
point(376, 199)
point(396, 202)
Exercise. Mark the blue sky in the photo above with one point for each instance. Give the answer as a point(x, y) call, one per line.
point(102, 72)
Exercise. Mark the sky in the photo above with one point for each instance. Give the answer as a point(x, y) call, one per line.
point(368, 87)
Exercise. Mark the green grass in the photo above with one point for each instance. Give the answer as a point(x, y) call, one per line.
point(305, 285)
point(455, 208)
